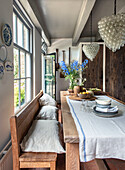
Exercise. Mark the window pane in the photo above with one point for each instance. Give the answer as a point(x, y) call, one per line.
point(28, 65)
point(48, 66)
point(48, 87)
point(48, 77)
point(22, 86)
point(14, 28)
point(16, 63)
point(22, 64)
point(16, 94)
point(28, 89)
point(20, 32)
point(26, 38)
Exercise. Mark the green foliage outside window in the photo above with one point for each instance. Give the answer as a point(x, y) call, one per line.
point(16, 95)
point(16, 84)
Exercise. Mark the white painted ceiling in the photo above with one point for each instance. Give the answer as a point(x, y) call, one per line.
point(59, 17)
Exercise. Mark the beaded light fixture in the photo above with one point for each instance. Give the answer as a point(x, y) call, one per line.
point(112, 30)
point(91, 49)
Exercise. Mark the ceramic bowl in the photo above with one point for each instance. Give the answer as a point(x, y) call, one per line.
point(90, 92)
point(103, 101)
point(84, 96)
point(103, 106)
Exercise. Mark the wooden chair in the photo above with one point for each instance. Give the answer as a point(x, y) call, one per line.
point(20, 125)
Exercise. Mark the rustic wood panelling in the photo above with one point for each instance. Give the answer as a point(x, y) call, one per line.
point(94, 72)
point(115, 73)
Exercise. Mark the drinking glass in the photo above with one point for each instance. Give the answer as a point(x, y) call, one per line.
point(82, 105)
point(87, 106)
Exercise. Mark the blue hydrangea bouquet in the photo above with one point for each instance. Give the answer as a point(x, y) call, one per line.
point(72, 71)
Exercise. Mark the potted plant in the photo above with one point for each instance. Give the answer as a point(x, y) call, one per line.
point(72, 71)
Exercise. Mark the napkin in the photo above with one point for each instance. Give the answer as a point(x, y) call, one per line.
point(110, 109)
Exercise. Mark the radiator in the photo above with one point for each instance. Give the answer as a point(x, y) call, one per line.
point(6, 162)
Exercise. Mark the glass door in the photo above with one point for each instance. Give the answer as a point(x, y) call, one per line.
point(49, 75)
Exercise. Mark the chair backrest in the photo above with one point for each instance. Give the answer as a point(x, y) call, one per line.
point(21, 122)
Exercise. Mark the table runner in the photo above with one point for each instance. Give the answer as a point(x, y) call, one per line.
point(99, 137)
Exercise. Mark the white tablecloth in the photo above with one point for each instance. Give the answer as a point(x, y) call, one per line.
point(99, 137)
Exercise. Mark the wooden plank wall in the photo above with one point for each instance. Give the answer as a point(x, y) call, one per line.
point(94, 72)
point(115, 73)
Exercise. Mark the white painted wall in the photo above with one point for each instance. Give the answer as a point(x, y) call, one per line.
point(6, 83)
point(36, 62)
point(63, 44)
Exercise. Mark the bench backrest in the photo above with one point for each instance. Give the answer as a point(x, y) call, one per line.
point(21, 122)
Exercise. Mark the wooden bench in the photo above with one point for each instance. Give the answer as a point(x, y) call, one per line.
point(20, 124)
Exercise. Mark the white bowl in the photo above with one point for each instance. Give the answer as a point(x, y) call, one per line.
point(103, 101)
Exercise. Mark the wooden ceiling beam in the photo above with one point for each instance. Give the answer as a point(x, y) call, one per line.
point(85, 11)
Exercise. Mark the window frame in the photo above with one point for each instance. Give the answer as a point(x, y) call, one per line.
point(19, 14)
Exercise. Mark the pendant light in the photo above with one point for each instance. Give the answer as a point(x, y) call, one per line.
point(112, 30)
point(91, 49)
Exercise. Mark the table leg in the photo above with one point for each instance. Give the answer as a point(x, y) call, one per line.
point(72, 156)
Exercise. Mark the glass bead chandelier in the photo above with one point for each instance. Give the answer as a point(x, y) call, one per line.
point(91, 49)
point(112, 30)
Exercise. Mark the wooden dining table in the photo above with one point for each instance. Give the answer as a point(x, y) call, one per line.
point(71, 138)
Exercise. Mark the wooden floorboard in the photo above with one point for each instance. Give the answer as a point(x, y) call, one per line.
point(115, 164)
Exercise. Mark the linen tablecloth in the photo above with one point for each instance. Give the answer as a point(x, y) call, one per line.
point(99, 137)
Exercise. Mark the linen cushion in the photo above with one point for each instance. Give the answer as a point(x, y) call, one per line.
point(47, 112)
point(47, 100)
point(43, 136)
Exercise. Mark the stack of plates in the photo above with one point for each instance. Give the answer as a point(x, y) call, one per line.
point(103, 108)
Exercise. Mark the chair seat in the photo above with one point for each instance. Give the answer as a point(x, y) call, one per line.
point(37, 157)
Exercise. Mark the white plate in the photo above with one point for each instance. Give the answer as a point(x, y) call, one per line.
point(3, 53)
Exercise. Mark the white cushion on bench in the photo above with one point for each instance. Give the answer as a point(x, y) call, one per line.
point(48, 112)
point(47, 100)
point(43, 136)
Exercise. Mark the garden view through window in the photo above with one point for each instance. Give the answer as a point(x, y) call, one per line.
point(22, 62)
point(49, 75)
